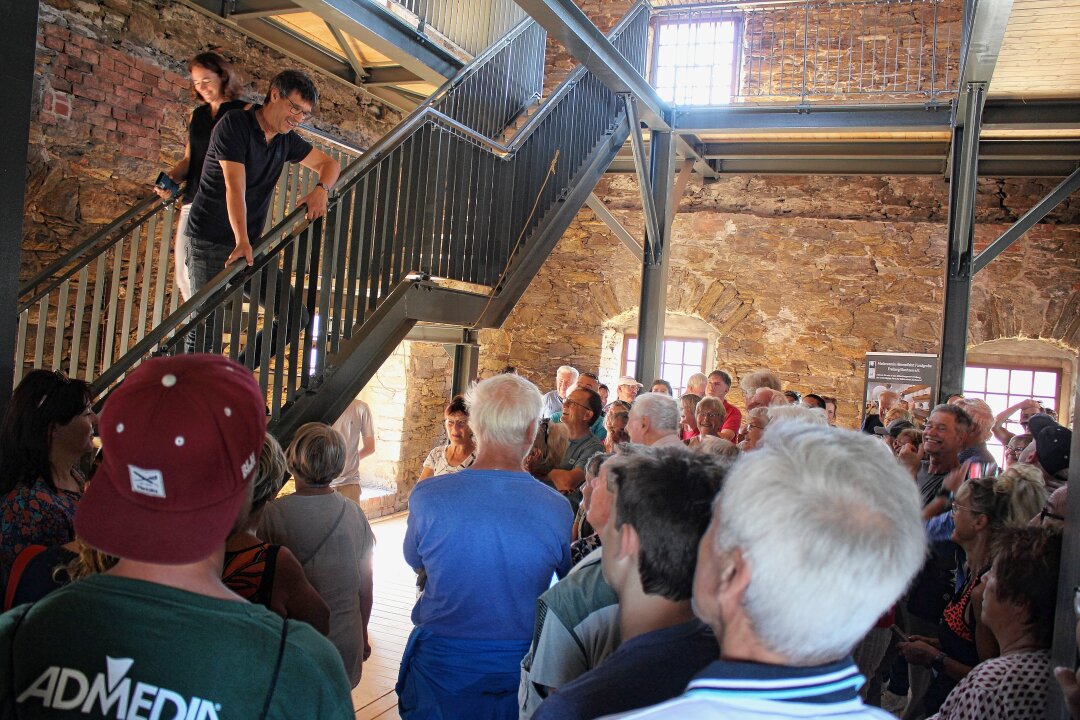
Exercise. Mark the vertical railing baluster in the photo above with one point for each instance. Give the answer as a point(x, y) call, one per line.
point(95, 317)
point(145, 279)
point(108, 342)
point(61, 323)
point(77, 322)
point(130, 290)
point(20, 345)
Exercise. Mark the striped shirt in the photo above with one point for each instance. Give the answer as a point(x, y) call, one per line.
point(743, 690)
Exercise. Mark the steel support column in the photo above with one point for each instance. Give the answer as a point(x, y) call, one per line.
point(17, 71)
point(466, 357)
point(1063, 652)
point(963, 180)
point(654, 269)
point(1028, 220)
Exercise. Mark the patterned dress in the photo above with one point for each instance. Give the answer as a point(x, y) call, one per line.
point(1011, 687)
point(34, 514)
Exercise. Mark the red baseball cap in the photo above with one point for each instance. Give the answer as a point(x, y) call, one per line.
point(181, 439)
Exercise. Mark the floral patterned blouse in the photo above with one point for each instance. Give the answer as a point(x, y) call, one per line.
point(34, 514)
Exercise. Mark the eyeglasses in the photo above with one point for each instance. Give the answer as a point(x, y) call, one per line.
point(711, 415)
point(568, 401)
point(64, 380)
point(297, 110)
point(971, 510)
point(620, 416)
point(1044, 514)
point(755, 427)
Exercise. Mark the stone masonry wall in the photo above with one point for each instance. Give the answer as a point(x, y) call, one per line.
point(802, 275)
point(111, 103)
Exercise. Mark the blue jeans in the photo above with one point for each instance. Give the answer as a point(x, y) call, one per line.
point(205, 260)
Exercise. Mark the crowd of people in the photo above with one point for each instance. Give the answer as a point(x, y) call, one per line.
point(574, 560)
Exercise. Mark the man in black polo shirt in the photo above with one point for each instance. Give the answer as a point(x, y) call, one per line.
point(247, 151)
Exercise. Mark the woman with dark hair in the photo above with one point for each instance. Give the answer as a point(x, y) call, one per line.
point(217, 84)
point(459, 452)
point(48, 430)
point(1018, 607)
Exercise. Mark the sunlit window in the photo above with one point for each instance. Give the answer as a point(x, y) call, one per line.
point(1003, 387)
point(695, 60)
point(679, 359)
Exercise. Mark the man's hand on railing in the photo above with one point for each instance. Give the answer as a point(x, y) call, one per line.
point(315, 202)
point(242, 250)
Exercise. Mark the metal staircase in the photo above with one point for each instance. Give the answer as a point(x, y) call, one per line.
point(436, 223)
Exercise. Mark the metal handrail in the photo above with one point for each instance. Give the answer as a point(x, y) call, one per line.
point(144, 209)
point(434, 196)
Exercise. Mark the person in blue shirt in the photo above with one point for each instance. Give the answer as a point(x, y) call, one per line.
point(490, 539)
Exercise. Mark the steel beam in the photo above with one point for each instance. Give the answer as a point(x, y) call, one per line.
point(654, 270)
point(979, 51)
point(389, 76)
point(958, 263)
point(248, 9)
point(354, 61)
point(869, 118)
point(382, 30)
point(466, 357)
point(686, 168)
point(1033, 115)
point(1063, 652)
point(1027, 221)
point(441, 334)
point(299, 48)
point(565, 22)
point(645, 178)
point(601, 210)
point(17, 72)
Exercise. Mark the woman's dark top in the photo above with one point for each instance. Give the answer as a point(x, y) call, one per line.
point(199, 129)
point(250, 572)
point(956, 631)
point(38, 571)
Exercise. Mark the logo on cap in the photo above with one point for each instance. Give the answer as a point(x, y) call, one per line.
point(147, 482)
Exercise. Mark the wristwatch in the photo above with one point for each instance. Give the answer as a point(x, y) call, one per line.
point(323, 186)
point(938, 663)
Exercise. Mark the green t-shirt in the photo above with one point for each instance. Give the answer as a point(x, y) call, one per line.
point(116, 647)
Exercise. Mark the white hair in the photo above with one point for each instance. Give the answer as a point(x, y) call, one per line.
point(662, 410)
point(779, 414)
point(982, 417)
point(570, 369)
point(759, 379)
point(503, 411)
point(841, 541)
point(696, 379)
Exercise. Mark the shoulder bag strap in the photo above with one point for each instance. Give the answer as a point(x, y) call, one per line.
point(313, 553)
point(277, 670)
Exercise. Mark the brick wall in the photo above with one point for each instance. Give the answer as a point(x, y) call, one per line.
point(111, 104)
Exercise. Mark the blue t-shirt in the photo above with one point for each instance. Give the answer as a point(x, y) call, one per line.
point(238, 138)
point(643, 671)
point(489, 541)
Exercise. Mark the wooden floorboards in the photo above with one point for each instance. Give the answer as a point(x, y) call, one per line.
point(390, 624)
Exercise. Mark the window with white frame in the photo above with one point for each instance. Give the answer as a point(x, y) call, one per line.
point(696, 60)
point(679, 359)
point(1004, 386)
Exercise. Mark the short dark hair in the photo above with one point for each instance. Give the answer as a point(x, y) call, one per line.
point(230, 78)
point(290, 81)
point(820, 401)
point(43, 400)
point(665, 383)
point(960, 415)
point(602, 386)
point(722, 375)
point(1026, 563)
point(793, 395)
point(666, 495)
point(596, 405)
point(592, 465)
point(457, 405)
point(592, 375)
point(508, 370)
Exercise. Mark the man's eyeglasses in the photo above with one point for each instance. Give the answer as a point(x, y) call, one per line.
point(568, 401)
point(296, 110)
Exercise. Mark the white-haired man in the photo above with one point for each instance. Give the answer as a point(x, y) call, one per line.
point(786, 610)
point(565, 378)
point(654, 420)
point(765, 397)
point(489, 538)
point(982, 422)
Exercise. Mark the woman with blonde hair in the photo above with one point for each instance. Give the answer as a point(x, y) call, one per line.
point(687, 422)
point(982, 508)
point(329, 536)
point(709, 416)
point(265, 573)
